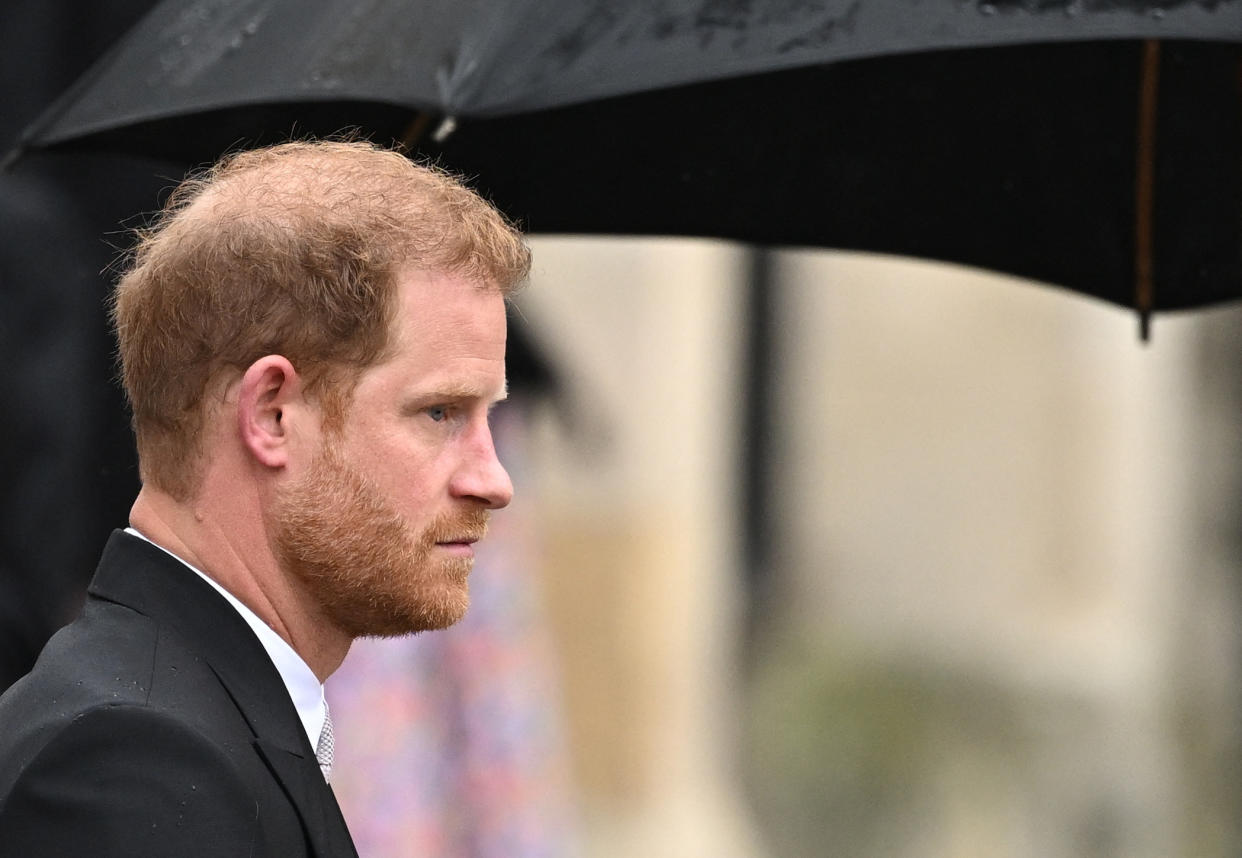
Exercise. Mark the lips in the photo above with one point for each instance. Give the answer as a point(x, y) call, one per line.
point(465, 540)
point(460, 542)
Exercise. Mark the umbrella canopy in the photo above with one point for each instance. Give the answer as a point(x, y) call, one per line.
point(1093, 144)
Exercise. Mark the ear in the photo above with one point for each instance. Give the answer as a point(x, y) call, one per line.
point(268, 388)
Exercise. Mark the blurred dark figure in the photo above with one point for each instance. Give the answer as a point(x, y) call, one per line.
point(67, 459)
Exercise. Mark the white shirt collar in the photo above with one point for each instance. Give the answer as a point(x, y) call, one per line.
point(304, 687)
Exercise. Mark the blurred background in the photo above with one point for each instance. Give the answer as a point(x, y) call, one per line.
point(1000, 611)
point(978, 596)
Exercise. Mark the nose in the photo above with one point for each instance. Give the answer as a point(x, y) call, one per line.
point(481, 477)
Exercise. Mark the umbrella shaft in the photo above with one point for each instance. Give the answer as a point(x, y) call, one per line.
point(1145, 180)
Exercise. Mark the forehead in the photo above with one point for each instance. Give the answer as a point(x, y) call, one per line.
point(448, 325)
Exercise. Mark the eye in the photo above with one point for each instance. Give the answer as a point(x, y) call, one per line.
point(438, 413)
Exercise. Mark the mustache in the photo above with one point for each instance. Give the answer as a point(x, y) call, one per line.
point(467, 526)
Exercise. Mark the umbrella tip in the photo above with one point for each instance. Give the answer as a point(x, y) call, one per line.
point(1144, 326)
point(445, 129)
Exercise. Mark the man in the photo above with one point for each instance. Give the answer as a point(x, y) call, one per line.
point(311, 338)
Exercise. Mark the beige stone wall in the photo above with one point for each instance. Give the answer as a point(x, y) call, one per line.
point(992, 488)
point(1007, 624)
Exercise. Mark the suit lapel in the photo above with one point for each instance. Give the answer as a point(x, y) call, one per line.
point(283, 745)
point(313, 798)
point(142, 576)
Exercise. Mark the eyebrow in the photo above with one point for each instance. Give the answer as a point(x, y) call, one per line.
point(466, 391)
point(451, 391)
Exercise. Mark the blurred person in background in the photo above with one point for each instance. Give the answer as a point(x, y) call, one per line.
point(66, 452)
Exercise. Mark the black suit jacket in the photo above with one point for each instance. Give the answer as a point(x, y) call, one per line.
point(156, 725)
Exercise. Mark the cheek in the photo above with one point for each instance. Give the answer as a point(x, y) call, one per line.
point(406, 473)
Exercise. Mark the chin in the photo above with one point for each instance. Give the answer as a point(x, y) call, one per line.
point(421, 612)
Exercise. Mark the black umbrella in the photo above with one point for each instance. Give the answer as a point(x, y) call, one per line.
point(1093, 144)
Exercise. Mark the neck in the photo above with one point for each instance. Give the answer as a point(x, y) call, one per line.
point(229, 543)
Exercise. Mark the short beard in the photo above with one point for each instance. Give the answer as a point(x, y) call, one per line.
point(368, 571)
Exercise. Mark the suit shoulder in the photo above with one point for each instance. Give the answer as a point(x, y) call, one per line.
point(108, 647)
point(111, 656)
point(106, 657)
point(128, 780)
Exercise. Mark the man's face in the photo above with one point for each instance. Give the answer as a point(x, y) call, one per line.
point(380, 526)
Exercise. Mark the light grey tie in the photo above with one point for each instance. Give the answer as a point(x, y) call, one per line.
point(326, 746)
